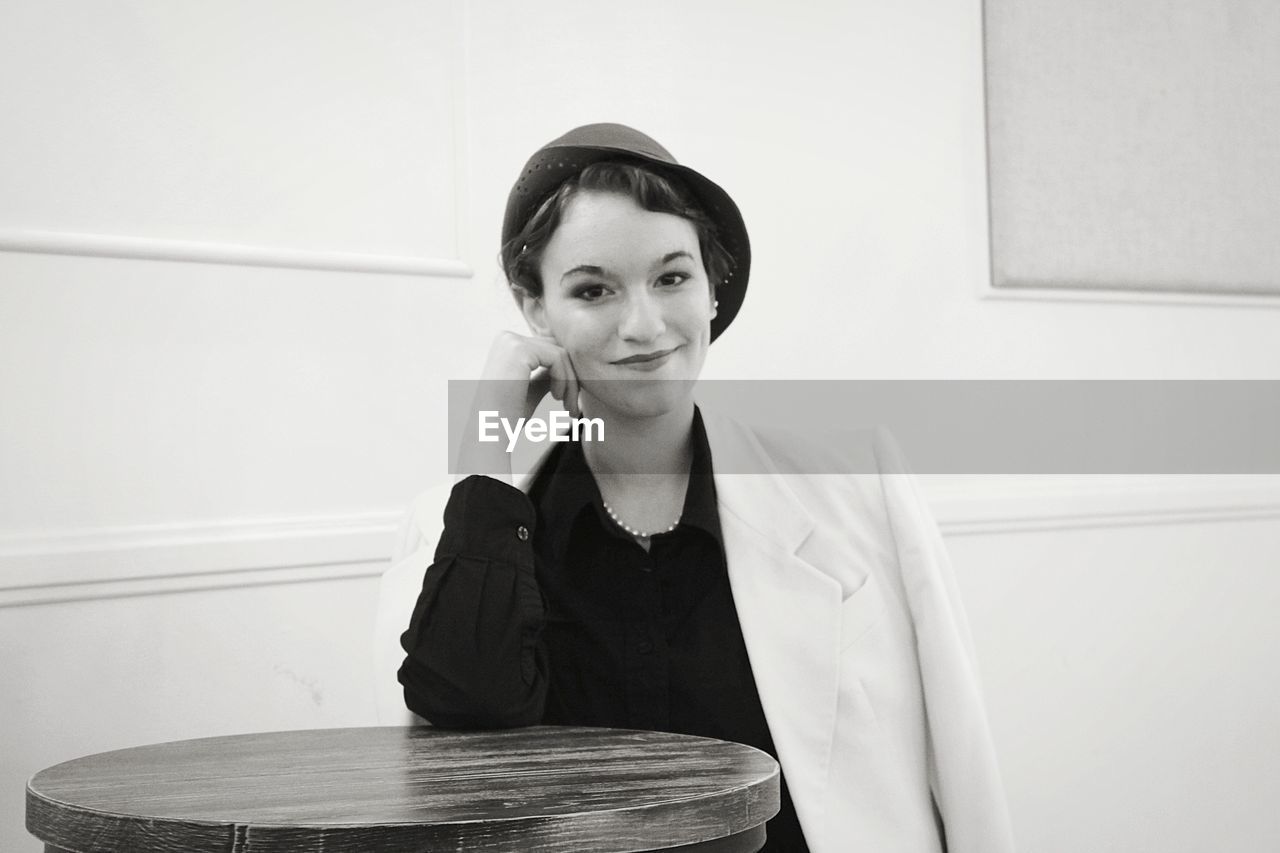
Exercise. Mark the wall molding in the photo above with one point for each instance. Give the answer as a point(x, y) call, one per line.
point(967, 506)
point(110, 562)
point(233, 254)
point(75, 565)
point(1037, 292)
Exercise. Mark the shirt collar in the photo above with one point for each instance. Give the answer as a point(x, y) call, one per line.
point(566, 488)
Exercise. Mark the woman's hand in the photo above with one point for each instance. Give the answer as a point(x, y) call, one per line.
point(520, 370)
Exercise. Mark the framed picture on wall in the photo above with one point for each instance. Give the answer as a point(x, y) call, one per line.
point(1134, 146)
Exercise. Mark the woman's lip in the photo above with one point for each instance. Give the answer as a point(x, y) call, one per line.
point(646, 358)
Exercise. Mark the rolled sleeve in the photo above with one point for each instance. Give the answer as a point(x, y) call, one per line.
point(473, 647)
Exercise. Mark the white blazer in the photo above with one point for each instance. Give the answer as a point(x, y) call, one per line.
point(857, 639)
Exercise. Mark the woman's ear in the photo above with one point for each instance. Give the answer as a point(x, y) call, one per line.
point(534, 310)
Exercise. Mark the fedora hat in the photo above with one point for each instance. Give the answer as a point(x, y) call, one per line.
point(566, 156)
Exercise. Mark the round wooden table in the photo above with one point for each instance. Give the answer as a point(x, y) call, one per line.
point(415, 789)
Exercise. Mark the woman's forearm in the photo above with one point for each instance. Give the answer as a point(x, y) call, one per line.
point(474, 657)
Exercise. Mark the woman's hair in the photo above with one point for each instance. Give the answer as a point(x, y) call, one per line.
point(521, 256)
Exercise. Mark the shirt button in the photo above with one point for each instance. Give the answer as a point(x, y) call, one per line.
point(522, 533)
point(644, 647)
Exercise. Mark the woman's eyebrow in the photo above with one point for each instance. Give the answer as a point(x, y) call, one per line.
point(589, 269)
point(671, 256)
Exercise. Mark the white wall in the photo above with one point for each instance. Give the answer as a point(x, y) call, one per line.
point(203, 462)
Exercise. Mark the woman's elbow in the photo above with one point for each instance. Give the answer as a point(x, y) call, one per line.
point(485, 703)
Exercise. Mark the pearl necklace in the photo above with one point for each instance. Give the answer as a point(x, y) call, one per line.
point(637, 533)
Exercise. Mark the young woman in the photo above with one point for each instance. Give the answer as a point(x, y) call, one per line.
point(628, 584)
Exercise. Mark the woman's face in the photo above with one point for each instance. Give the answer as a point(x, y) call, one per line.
point(624, 292)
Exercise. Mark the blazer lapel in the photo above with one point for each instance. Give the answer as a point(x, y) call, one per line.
point(789, 611)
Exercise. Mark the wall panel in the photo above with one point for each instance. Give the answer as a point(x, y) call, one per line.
point(286, 126)
point(1132, 145)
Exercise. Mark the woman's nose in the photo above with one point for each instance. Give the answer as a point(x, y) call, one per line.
point(642, 318)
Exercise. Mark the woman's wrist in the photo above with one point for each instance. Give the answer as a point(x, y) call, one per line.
point(486, 458)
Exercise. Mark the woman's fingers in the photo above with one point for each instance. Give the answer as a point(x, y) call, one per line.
point(519, 372)
point(564, 386)
point(540, 382)
point(559, 383)
point(546, 364)
point(547, 356)
point(570, 398)
point(553, 369)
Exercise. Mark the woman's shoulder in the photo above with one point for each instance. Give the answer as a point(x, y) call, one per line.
point(749, 448)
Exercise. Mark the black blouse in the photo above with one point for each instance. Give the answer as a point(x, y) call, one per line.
point(538, 609)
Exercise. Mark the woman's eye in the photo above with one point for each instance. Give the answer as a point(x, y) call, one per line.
point(673, 279)
point(590, 292)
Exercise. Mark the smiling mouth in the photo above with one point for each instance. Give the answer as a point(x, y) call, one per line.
point(649, 356)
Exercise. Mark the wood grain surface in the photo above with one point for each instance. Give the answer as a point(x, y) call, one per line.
point(541, 790)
